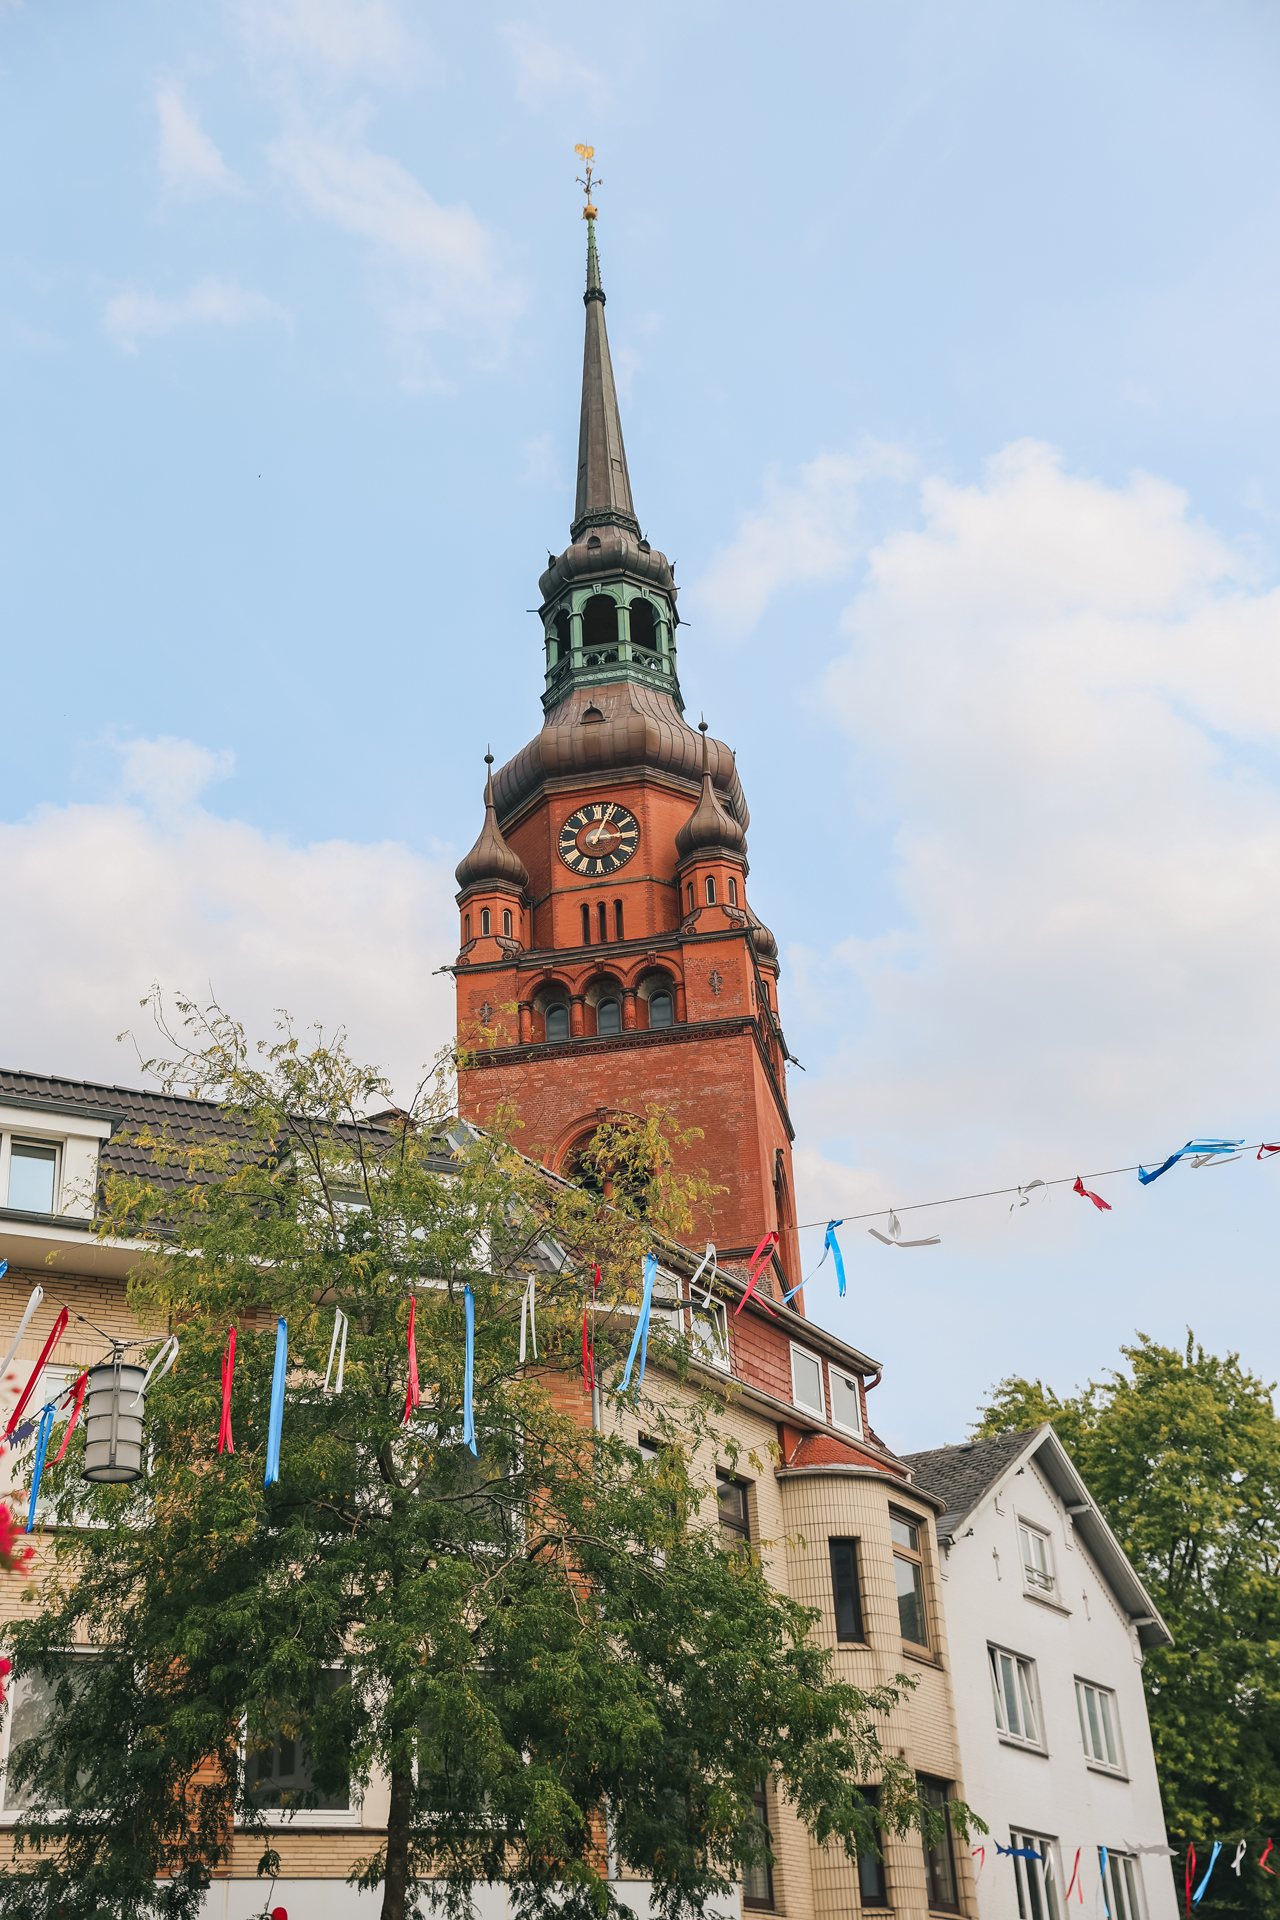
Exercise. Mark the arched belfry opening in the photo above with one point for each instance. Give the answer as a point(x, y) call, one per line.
point(644, 626)
point(600, 622)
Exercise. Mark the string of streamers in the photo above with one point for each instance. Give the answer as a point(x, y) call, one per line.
point(59, 1328)
point(891, 1239)
point(759, 1260)
point(1198, 1895)
point(78, 1390)
point(37, 1295)
point(412, 1391)
point(1097, 1199)
point(225, 1442)
point(526, 1308)
point(168, 1354)
point(640, 1338)
point(589, 1335)
point(276, 1415)
point(48, 1413)
point(339, 1324)
point(469, 1377)
point(1206, 1149)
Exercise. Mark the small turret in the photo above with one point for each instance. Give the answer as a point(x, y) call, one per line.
point(710, 831)
point(491, 859)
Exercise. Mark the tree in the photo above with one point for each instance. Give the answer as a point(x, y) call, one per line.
point(528, 1636)
point(1182, 1453)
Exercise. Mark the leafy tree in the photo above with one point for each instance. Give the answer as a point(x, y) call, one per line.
point(532, 1640)
point(1182, 1453)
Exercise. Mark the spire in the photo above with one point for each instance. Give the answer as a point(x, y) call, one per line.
point(709, 829)
point(491, 859)
point(604, 486)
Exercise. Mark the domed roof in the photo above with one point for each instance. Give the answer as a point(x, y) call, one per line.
point(761, 938)
point(709, 829)
point(491, 859)
point(602, 553)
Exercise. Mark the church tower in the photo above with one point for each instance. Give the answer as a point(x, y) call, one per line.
point(610, 959)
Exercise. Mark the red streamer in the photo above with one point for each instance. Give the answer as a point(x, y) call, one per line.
point(412, 1395)
point(1263, 1862)
point(1075, 1873)
point(1191, 1874)
point(225, 1442)
point(59, 1328)
point(589, 1339)
point(78, 1390)
point(1269, 1147)
point(1085, 1194)
point(759, 1261)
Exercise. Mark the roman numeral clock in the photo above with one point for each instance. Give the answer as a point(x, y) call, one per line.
point(598, 839)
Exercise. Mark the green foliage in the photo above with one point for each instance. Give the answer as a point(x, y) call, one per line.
point(1182, 1453)
point(527, 1643)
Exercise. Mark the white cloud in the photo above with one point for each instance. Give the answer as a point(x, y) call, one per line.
point(546, 69)
point(438, 265)
point(133, 316)
point(125, 893)
point(1065, 698)
point(802, 535)
point(334, 40)
point(189, 160)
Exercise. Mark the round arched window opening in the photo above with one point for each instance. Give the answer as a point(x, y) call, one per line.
point(506, 921)
point(661, 1010)
point(608, 1017)
point(644, 631)
point(733, 893)
point(711, 890)
point(600, 622)
point(484, 921)
point(557, 1023)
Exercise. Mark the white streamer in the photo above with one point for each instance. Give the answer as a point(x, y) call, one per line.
point(891, 1239)
point(1024, 1194)
point(710, 1255)
point(169, 1348)
point(339, 1321)
point(526, 1306)
point(37, 1296)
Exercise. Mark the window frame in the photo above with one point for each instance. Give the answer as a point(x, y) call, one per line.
point(352, 1815)
point(761, 1903)
point(9, 1816)
point(930, 1786)
point(586, 924)
point(1042, 1582)
point(508, 924)
point(1039, 1900)
point(851, 1542)
point(1027, 1690)
point(610, 1000)
point(12, 1138)
point(911, 1556)
point(710, 889)
point(1133, 1891)
point(814, 1359)
point(877, 1899)
point(661, 993)
point(1116, 1768)
point(733, 891)
point(557, 1006)
point(617, 920)
point(709, 1333)
point(838, 1373)
point(742, 1533)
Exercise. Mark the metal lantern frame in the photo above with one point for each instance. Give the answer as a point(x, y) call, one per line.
point(115, 1407)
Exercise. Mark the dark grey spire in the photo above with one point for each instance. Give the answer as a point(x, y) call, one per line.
point(604, 486)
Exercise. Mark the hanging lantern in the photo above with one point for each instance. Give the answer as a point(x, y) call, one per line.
point(113, 1410)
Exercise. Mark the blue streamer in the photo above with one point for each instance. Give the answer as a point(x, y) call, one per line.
point(640, 1338)
point(47, 1414)
point(1217, 1849)
point(1102, 1852)
point(1192, 1146)
point(276, 1415)
point(829, 1245)
point(469, 1378)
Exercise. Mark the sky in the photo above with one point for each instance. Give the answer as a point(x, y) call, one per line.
point(946, 340)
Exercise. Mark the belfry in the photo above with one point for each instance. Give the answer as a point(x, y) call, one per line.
point(609, 957)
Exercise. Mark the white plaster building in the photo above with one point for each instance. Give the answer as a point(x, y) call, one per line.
point(1047, 1622)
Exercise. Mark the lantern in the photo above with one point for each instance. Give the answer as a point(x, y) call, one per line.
point(113, 1410)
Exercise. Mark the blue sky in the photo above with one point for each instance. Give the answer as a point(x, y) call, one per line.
point(947, 346)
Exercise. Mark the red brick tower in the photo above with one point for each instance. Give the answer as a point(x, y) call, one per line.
point(609, 957)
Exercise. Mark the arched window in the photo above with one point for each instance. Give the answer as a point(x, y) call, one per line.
point(600, 622)
point(564, 634)
point(586, 925)
point(644, 632)
point(661, 1013)
point(608, 1017)
point(602, 918)
point(733, 893)
point(690, 891)
point(506, 921)
point(557, 1023)
point(711, 890)
point(617, 920)
point(466, 928)
point(484, 921)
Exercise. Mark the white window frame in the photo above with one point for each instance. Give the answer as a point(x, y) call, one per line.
point(855, 1386)
point(1045, 1870)
point(1134, 1894)
point(1109, 1710)
point(349, 1816)
point(803, 1353)
point(1028, 1696)
point(709, 1333)
point(1034, 1579)
point(30, 1139)
point(10, 1815)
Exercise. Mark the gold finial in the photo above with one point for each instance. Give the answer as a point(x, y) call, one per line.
point(587, 154)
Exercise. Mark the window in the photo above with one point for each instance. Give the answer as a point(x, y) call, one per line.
point(735, 1522)
point(484, 923)
point(279, 1770)
point(1037, 1566)
point(845, 1589)
point(466, 928)
point(733, 893)
point(506, 921)
point(689, 891)
point(1099, 1725)
point(1122, 1870)
point(939, 1859)
point(806, 1382)
point(1036, 1880)
point(711, 890)
point(757, 1881)
point(1013, 1689)
point(586, 924)
point(617, 920)
point(846, 1402)
point(873, 1886)
point(660, 1010)
point(908, 1573)
point(33, 1176)
point(557, 1023)
point(642, 629)
point(608, 1015)
point(710, 1333)
point(600, 623)
point(602, 920)
point(28, 1705)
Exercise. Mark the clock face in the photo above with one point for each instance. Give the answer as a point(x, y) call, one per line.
point(598, 839)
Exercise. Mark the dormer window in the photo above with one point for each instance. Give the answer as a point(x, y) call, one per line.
point(33, 1176)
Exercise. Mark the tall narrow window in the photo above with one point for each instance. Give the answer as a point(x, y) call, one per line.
point(608, 1017)
point(466, 928)
point(506, 921)
point(690, 893)
point(845, 1590)
point(939, 1859)
point(660, 1010)
point(617, 920)
point(1037, 1563)
point(873, 1883)
point(711, 890)
point(1099, 1725)
point(1124, 1886)
point(735, 1525)
point(586, 925)
point(557, 1023)
point(846, 1405)
point(908, 1572)
point(1035, 1874)
point(757, 1881)
point(733, 892)
point(1013, 1688)
point(602, 921)
point(484, 921)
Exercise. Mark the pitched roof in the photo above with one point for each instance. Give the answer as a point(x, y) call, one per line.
point(961, 1475)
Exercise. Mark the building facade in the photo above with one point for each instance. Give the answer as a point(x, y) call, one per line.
point(1048, 1624)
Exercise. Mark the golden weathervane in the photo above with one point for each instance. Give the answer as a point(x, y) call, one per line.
point(587, 155)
